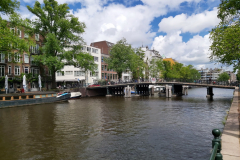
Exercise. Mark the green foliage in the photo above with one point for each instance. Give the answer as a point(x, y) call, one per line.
point(223, 77)
point(62, 34)
point(8, 6)
point(156, 65)
point(121, 57)
point(137, 63)
point(225, 36)
point(179, 71)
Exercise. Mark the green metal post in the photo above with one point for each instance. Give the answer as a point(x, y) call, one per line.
point(216, 140)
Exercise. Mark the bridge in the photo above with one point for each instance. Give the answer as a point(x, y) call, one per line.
point(142, 88)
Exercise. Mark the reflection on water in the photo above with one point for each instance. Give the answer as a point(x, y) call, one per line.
point(115, 128)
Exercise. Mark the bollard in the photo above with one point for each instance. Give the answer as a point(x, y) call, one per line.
point(217, 141)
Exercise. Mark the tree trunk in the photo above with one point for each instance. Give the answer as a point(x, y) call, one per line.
point(54, 84)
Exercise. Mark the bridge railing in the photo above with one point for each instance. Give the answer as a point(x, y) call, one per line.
point(216, 145)
point(211, 82)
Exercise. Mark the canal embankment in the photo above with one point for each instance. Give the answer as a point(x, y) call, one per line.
point(231, 131)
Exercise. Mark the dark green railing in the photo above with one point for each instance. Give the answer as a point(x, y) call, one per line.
point(216, 145)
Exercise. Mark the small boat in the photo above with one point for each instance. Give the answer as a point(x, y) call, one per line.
point(75, 95)
point(63, 96)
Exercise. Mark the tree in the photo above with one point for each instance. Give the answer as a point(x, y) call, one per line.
point(137, 63)
point(225, 37)
point(62, 35)
point(121, 56)
point(223, 77)
point(156, 65)
point(8, 6)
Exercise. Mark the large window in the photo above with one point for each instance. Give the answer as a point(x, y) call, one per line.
point(17, 70)
point(26, 58)
point(35, 71)
point(79, 73)
point(17, 57)
point(26, 70)
point(68, 72)
point(88, 49)
point(9, 70)
point(2, 70)
point(60, 73)
point(96, 59)
point(2, 58)
point(94, 50)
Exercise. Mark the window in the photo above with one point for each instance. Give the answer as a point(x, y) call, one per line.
point(26, 35)
point(17, 70)
point(19, 32)
point(35, 71)
point(36, 48)
point(26, 70)
point(17, 57)
point(79, 73)
point(88, 49)
point(96, 59)
point(102, 67)
point(84, 48)
point(26, 58)
point(2, 71)
point(102, 59)
point(2, 57)
point(9, 70)
point(94, 50)
point(60, 73)
point(102, 75)
point(105, 68)
point(68, 72)
point(9, 57)
point(37, 37)
point(12, 30)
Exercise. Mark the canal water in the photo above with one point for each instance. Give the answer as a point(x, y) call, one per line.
point(115, 128)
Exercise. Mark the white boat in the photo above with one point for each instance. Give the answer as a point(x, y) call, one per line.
point(75, 95)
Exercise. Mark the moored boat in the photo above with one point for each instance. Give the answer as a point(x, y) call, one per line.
point(75, 95)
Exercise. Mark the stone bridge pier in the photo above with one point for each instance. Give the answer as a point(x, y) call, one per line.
point(209, 92)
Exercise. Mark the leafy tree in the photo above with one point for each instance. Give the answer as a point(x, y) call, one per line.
point(223, 77)
point(225, 36)
point(137, 63)
point(62, 34)
point(167, 71)
point(121, 56)
point(8, 6)
point(156, 65)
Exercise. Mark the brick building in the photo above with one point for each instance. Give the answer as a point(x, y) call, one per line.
point(105, 47)
point(14, 64)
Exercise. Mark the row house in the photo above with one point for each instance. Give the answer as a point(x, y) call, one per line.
point(106, 73)
point(14, 64)
point(73, 76)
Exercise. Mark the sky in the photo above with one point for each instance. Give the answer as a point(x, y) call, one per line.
point(178, 29)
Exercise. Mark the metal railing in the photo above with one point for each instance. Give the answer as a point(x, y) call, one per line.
point(216, 145)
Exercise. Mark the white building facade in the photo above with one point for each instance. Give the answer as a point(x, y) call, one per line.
point(73, 76)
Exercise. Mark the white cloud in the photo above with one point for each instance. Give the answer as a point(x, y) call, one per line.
point(194, 23)
point(195, 51)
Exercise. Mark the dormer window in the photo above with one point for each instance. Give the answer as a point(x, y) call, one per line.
point(37, 37)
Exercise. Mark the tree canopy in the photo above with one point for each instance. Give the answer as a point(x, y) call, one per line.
point(8, 6)
point(179, 71)
point(223, 77)
point(225, 36)
point(156, 65)
point(62, 37)
point(121, 57)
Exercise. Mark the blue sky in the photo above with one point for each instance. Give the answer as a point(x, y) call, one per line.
point(178, 29)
